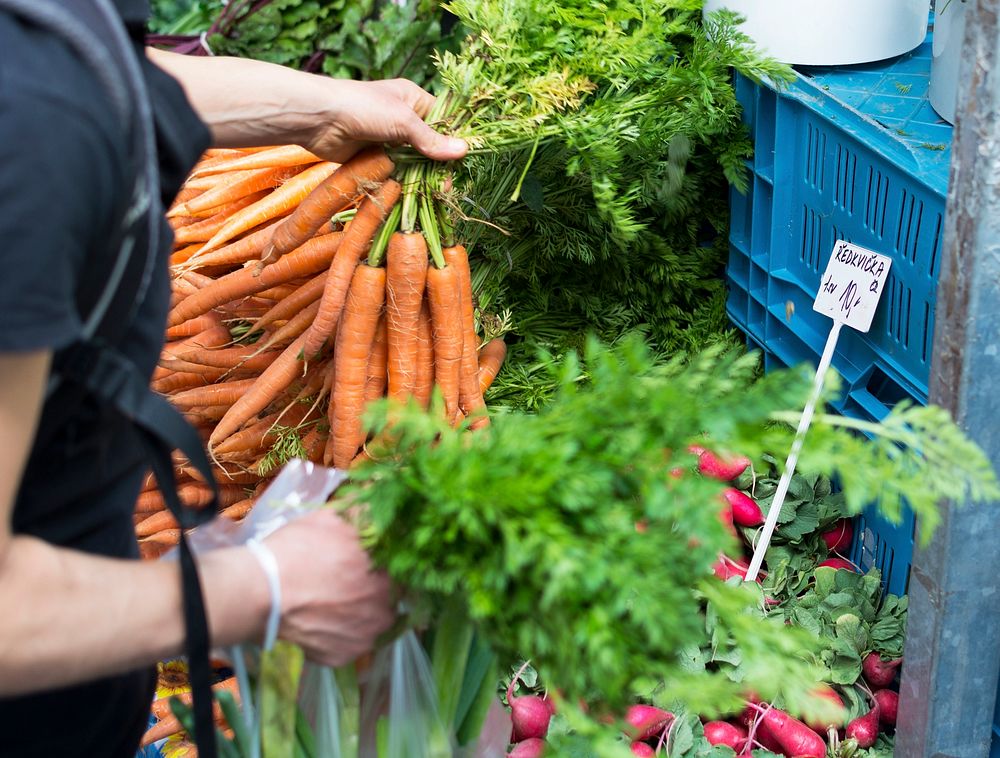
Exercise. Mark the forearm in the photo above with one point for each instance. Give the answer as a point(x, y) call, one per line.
point(73, 617)
point(248, 103)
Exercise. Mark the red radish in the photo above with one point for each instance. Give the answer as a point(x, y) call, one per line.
point(726, 517)
point(530, 748)
point(827, 693)
point(864, 729)
point(839, 563)
point(643, 722)
point(794, 737)
point(727, 567)
point(641, 748)
point(722, 469)
point(762, 734)
point(879, 673)
point(530, 714)
point(724, 733)
point(888, 705)
point(745, 511)
point(839, 538)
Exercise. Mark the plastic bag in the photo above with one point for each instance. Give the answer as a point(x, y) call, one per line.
point(388, 710)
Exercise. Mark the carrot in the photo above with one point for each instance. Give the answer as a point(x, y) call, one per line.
point(355, 337)
point(281, 291)
point(424, 383)
point(312, 257)
point(365, 170)
point(193, 326)
point(236, 511)
point(226, 357)
point(293, 328)
point(253, 363)
point(184, 254)
point(261, 392)
point(315, 444)
point(185, 380)
point(229, 191)
point(405, 277)
point(286, 197)
point(263, 432)
point(357, 239)
point(180, 222)
point(205, 183)
point(226, 393)
point(283, 155)
point(150, 501)
point(376, 381)
point(490, 360)
point(445, 300)
point(222, 475)
point(470, 398)
point(203, 229)
point(235, 253)
point(194, 495)
point(305, 295)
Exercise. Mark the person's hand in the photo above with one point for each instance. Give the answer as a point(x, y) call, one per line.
point(333, 604)
point(391, 110)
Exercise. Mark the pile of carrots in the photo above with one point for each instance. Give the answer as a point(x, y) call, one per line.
point(297, 299)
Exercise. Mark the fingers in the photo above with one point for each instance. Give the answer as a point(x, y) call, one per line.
point(434, 145)
point(416, 97)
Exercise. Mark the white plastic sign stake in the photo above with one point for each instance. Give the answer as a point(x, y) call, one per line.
point(849, 293)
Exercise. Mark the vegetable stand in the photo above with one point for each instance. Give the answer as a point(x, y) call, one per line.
point(595, 487)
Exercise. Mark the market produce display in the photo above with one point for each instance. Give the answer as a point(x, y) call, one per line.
point(357, 315)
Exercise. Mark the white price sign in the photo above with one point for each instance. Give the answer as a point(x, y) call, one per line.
point(852, 285)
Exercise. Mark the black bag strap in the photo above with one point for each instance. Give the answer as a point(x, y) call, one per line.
point(93, 365)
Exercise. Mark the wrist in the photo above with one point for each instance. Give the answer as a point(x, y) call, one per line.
point(237, 598)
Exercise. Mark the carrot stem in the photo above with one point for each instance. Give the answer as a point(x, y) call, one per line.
point(428, 224)
point(411, 189)
point(381, 243)
point(524, 172)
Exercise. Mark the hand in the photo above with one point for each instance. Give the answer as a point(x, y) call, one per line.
point(391, 110)
point(333, 604)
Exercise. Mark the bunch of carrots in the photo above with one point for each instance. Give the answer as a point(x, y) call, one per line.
point(301, 292)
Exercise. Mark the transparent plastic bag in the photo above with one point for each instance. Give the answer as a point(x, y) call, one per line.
point(389, 709)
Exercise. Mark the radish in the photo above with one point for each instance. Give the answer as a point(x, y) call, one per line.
point(827, 693)
point(839, 538)
point(530, 714)
point(727, 567)
point(530, 748)
point(726, 517)
point(839, 563)
point(745, 511)
point(641, 748)
point(888, 705)
point(724, 733)
point(722, 469)
point(794, 737)
point(643, 722)
point(879, 673)
point(864, 729)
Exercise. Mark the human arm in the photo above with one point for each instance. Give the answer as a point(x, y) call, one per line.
point(72, 617)
point(250, 103)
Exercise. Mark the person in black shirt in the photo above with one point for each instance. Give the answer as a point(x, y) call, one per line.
point(83, 621)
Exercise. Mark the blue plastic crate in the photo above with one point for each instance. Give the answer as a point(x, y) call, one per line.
point(853, 153)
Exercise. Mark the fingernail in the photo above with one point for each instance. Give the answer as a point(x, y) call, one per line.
point(455, 144)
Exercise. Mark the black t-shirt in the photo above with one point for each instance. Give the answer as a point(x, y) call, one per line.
point(63, 181)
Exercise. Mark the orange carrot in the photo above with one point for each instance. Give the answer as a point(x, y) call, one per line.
point(259, 394)
point(358, 236)
point(263, 432)
point(227, 357)
point(293, 328)
point(184, 254)
point(150, 501)
point(315, 444)
point(235, 253)
point(312, 257)
point(365, 170)
point(236, 511)
point(193, 326)
point(490, 360)
point(470, 398)
point(203, 229)
point(355, 337)
point(281, 291)
point(445, 300)
point(424, 385)
point(376, 382)
point(405, 277)
point(228, 192)
point(185, 380)
point(283, 155)
point(305, 295)
point(195, 495)
point(286, 197)
point(227, 393)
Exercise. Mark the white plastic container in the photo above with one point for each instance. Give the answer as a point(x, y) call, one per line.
point(831, 32)
point(949, 34)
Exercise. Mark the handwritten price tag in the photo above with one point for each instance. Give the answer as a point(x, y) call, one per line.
point(852, 285)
